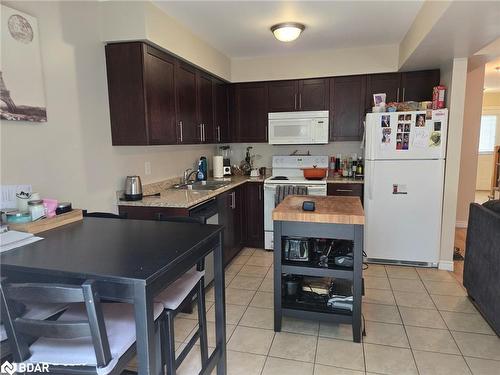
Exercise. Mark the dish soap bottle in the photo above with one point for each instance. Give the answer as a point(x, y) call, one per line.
point(202, 169)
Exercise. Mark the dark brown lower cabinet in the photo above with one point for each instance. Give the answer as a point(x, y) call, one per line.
point(346, 189)
point(240, 211)
point(230, 216)
point(254, 215)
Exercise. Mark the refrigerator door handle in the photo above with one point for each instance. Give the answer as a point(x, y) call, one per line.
point(370, 182)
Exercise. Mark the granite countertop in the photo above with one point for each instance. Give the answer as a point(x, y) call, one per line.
point(344, 180)
point(180, 198)
point(331, 209)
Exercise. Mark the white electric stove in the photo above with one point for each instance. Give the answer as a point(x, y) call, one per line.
point(287, 170)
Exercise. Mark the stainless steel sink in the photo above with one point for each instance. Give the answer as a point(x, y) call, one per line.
point(202, 185)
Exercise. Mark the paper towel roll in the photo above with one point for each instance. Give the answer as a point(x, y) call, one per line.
point(218, 167)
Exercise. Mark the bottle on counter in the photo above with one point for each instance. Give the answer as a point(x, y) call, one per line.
point(338, 164)
point(331, 167)
point(202, 169)
point(359, 168)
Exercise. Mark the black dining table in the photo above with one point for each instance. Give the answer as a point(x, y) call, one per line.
point(131, 261)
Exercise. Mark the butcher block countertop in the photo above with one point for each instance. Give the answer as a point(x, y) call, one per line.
point(329, 209)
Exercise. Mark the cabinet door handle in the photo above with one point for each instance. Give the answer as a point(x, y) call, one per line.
point(218, 133)
point(397, 100)
point(204, 137)
point(404, 89)
point(201, 132)
point(344, 190)
point(180, 128)
point(300, 100)
point(295, 101)
point(233, 196)
point(260, 194)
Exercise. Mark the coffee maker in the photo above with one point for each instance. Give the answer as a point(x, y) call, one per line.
point(225, 152)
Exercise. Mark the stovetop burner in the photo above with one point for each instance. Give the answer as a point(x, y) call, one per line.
point(280, 178)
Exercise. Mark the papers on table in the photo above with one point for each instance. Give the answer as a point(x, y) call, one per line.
point(12, 239)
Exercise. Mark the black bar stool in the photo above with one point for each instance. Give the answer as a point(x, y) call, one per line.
point(191, 284)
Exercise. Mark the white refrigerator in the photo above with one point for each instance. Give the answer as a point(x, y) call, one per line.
point(404, 177)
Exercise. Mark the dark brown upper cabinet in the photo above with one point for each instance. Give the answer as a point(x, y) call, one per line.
point(417, 86)
point(221, 114)
point(313, 94)
point(388, 83)
point(283, 96)
point(186, 103)
point(155, 98)
point(250, 109)
point(205, 108)
point(347, 107)
point(160, 99)
point(142, 108)
point(298, 95)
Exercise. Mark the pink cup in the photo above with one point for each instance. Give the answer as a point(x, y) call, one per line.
point(50, 206)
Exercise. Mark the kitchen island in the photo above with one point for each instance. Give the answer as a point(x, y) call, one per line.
point(335, 218)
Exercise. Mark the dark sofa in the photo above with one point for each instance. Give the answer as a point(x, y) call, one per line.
point(482, 260)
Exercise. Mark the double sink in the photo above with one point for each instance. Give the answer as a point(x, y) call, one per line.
point(202, 185)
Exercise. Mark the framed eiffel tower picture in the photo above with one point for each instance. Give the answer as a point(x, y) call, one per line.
point(22, 91)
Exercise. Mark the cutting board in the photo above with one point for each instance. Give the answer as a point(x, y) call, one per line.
point(50, 223)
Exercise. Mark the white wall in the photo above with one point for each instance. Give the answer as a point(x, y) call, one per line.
point(70, 157)
point(470, 142)
point(453, 76)
point(142, 20)
point(264, 152)
point(336, 62)
point(484, 171)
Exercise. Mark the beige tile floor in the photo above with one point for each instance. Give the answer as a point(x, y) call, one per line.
point(418, 321)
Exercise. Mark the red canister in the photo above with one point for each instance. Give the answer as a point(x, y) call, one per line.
point(438, 93)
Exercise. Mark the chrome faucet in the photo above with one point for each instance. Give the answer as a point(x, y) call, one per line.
point(187, 175)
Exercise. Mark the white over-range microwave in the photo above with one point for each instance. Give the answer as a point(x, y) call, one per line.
point(298, 128)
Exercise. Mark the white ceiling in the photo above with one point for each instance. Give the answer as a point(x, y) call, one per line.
point(241, 28)
point(492, 76)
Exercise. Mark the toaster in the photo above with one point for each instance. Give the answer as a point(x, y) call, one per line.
point(296, 249)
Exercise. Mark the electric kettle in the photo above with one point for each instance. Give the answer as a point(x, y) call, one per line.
point(133, 188)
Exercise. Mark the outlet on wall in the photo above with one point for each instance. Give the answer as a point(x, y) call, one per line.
point(147, 168)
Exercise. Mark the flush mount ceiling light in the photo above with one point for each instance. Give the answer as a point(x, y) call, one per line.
point(287, 31)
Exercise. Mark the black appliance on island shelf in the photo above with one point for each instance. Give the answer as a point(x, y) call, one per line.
point(320, 252)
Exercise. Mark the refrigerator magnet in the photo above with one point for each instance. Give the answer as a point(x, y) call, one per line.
point(420, 138)
point(401, 117)
point(435, 139)
point(385, 121)
point(428, 114)
point(386, 138)
point(420, 121)
point(408, 117)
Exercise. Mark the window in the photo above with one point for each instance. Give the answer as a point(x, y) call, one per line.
point(487, 134)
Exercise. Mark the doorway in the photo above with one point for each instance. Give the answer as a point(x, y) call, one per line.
point(489, 138)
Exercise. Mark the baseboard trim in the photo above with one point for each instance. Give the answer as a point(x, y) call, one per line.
point(461, 224)
point(446, 265)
